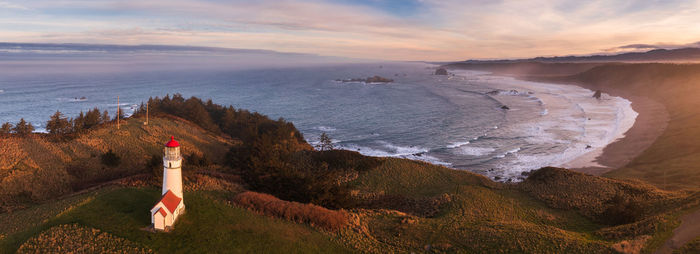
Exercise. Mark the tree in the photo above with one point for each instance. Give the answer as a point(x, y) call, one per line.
point(58, 125)
point(325, 144)
point(92, 118)
point(120, 114)
point(23, 128)
point(6, 129)
point(105, 116)
point(111, 159)
point(79, 123)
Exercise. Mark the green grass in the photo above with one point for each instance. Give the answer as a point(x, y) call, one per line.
point(209, 226)
point(22, 219)
point(483, 216)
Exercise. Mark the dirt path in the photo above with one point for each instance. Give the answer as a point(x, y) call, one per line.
point(687, 231)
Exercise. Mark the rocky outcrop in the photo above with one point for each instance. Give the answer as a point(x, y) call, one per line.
point(378, 79)
point(441, 71)
point(375, 79)
point(597, 94)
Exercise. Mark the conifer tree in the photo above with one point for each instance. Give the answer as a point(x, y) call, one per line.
point(58, 125)
point(326, 144)
point(6, 129)
point(23, 128)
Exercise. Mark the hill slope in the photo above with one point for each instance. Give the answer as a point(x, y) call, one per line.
point(35, 169)
point(655, 55)
point(398, 205)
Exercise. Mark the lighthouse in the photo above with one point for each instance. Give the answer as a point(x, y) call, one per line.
point(171, 204)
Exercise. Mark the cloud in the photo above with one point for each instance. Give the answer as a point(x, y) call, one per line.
point(8, 5)
point(646, 47)
point(426, 30)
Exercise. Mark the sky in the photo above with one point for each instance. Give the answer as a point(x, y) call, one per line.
point(420, 30)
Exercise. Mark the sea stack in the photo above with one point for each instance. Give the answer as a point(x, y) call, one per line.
point(171, 204)
point(597, 94)
point(441, 71)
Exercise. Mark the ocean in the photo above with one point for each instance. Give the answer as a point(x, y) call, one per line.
point(456, 120)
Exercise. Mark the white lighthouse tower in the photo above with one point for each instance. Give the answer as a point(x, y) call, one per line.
point(171, 205)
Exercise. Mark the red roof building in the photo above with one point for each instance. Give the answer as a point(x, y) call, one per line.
point(170, 201)
point(172, 142)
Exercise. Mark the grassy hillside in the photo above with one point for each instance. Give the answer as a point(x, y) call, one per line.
point(691, 247)
point(209, 226)
point(35, 168)
point(395, 205)
point(557, 211)
point(473, 214)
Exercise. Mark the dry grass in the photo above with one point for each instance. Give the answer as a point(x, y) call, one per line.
point(331, 220)
point(631, 246)
point(690, 248)
point(422, 207)
point(34, 169)
point(565, 189)
point(77, 239)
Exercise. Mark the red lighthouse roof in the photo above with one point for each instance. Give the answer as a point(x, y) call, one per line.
point(172, 142)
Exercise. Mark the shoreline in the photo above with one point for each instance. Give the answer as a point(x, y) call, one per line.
point(651, 121)
point(608, 121)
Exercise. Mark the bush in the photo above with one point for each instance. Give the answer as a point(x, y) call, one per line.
point(622, 210)
point(196, 160)
point(155, 165)
point(111, 159)
point(331, 220)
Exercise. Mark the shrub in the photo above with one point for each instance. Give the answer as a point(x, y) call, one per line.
point(196, 160)
point(622, 210)
point(331, 220)
point(111, 159)
point(155, 165)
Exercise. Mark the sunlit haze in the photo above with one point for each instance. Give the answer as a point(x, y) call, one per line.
point(437, 30)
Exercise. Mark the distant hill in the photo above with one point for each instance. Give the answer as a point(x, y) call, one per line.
point(656, 55)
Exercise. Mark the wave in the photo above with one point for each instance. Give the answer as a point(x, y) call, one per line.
point(512, 151)
point(474, 151)
point(457, 144)
point(324, 128)
point(394, 151)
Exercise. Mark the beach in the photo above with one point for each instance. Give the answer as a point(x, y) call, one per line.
point(651, 122)
point(649, 125)
point(599, 134)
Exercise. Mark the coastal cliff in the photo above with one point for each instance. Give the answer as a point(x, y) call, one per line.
point(376, 205)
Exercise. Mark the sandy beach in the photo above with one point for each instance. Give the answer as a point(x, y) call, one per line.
point(648, 126)
point(650, 123)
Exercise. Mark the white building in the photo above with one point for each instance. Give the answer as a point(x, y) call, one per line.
point(171, 205)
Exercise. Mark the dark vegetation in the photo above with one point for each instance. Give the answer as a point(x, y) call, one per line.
point(293, 211)
point(606, 201)
point(22, 129)
point(110, 159)
point(274, 157)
